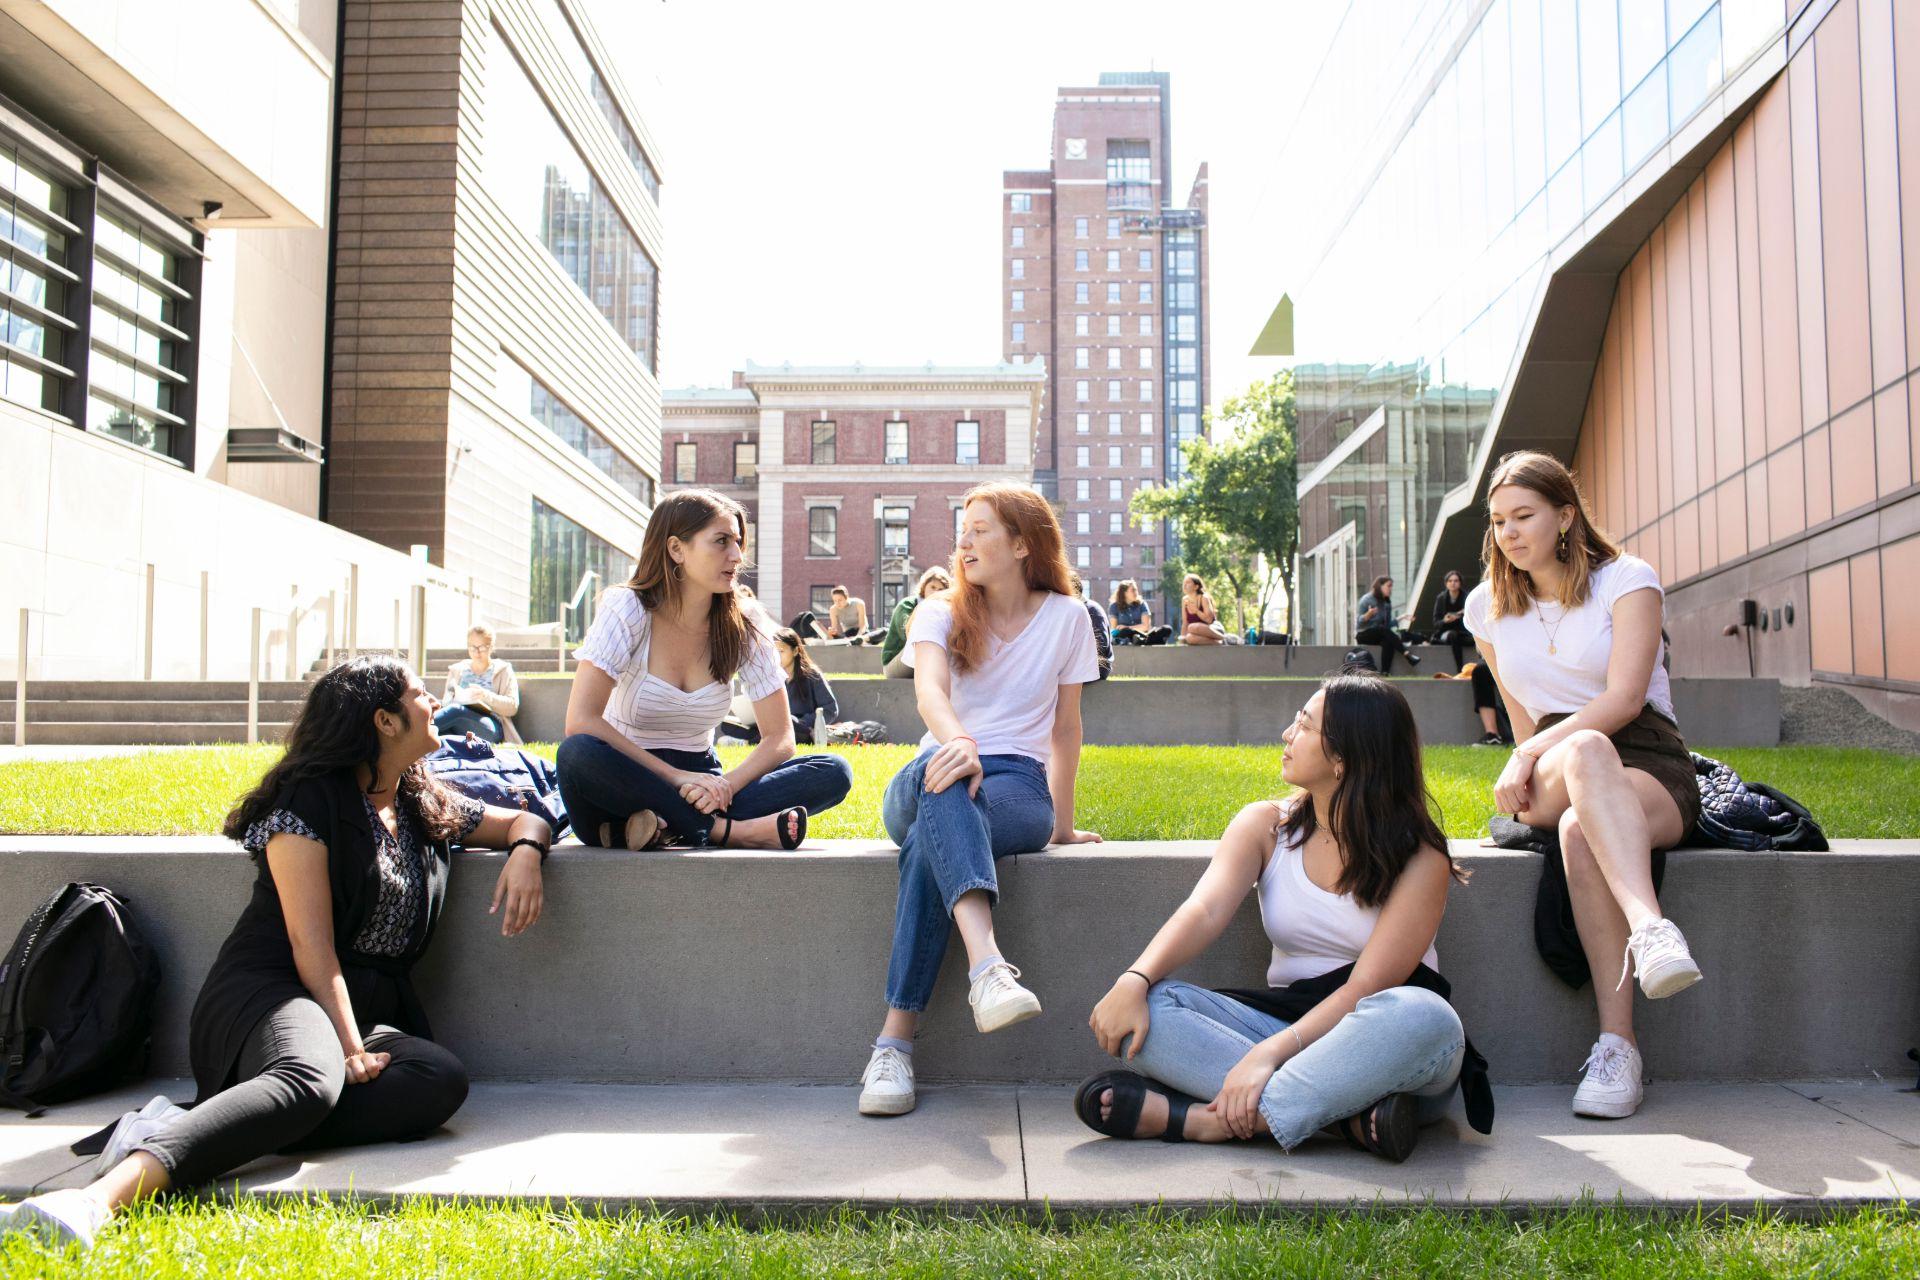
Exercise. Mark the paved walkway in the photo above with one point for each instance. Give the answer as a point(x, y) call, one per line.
point(762, 1147)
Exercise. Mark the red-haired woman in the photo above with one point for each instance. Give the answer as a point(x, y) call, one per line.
point(1570, 625)
point(637, 765)
point(998, 663)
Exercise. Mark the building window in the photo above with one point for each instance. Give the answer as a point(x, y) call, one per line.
point(1146, 424)
point(560, 554)
point(1020, 202)
point(1019, 300)
point(1082, 522)
point(823, 531)
point(1115, 557)
point(1113, 491)
point(1113, 388)
point(546, 188)
point(894, 532)
point(1146, 292)
point(1080, 390)
point(1146, 326)
point(1113, 228)
point(1147, 557)
point(1019, 268)
point(1083, 456)
point(1113, 293)
point(1113, 424)
point(1113, 357)
point(1186, 393)
point(1146, 455)
point(1080, 325)
point(685, 462)
point(1146, 260)
point(820, 598)
point(1082, 423)
point(1019, 333)
point(746, 460)
point(1113, 455)
point(1080, 293)
point(575, 53)
point(1113, 522)
point(1081, 488)
point(1113, 259)
point(1080, 228)
point(1129, 174)
point(1079, 259)
point(1082, 557)
point(1146, 357)
point(966, 443)
point(1081, 357)
point(896, 442)
point(1146, 391)
point(1019, 237)
point(824, 444)
point(1113, 326)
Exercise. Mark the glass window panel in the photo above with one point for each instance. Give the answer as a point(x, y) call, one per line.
point(823, 531)
point(966, 443)
point(1682, 14)
point(1599, 61)
point(1529, 98)
point(1747, 24)
point(746, 460)
point(1600, 161)
point(561, 552)
point(1694, 71)
point(896, 442)
point(825, 444)
point(1644, 118)
point(1559, 55)
point(1643, 38)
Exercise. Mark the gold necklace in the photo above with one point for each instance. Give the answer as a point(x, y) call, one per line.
point(1553, 632)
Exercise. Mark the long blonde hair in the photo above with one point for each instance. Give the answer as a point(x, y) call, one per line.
point(1587, 545)
point(731, 630)
point(1029, 518)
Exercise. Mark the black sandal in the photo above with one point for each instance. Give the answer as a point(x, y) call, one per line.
point(1390, 1128)
point(786, 841)
point(1130, 1090)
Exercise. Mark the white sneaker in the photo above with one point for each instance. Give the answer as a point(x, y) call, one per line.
point(887, 1084)
point(134, 1128)
point(999, 1001)
point(1612, 1088)
point(1659, 955)
point(57, 1217)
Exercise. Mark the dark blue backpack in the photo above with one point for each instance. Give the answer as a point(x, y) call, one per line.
point(510, 779)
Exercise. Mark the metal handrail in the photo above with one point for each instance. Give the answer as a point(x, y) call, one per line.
point(560, 636)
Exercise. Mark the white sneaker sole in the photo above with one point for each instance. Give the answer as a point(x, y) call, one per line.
point(887, 1104)
point(1606, 1109)
point(1670, 979)
point(1008, 1012)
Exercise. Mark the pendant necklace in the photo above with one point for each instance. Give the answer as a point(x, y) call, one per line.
point(1553, 632)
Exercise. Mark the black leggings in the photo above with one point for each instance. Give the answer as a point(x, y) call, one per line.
point(292, 1095)
point(1390, 644)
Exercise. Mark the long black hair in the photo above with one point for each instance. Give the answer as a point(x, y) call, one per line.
point(1382, 811)
point(334, 731)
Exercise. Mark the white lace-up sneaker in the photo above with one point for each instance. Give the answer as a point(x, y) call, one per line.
point(1000, 1001)
point(887, 1084)
point(1612, 1088)
point(1659, 955)
point(57, 1217)
point(134, 1128)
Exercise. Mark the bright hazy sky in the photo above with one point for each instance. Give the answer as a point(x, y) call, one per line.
point(832, 170)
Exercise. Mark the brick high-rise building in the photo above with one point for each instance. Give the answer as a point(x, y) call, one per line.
point(1105, 281)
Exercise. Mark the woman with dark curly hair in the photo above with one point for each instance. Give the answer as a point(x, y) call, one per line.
point(307, 1032)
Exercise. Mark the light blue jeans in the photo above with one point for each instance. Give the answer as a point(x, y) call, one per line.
point(1401, 1040)
point(948, 845)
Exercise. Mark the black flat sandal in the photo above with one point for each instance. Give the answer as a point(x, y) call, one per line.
point(787, 841)
point(1390, 1128)
point(1130, 1090)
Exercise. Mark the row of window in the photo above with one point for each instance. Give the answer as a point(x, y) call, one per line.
point(824, 443)
point(1083, 455)
point(1081, 228)
point(823, 532)
point(1083, 424)
point(1116, 558)
point(1083, 357)
point(1082, 390)
point(1081, 262)
point(527, 394)
point(746, 461)
point(1116, 523)
point(1083, 294)
point(1083, 328)
point(1083, 491)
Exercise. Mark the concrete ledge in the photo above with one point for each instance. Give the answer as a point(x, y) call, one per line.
point(1179, 660)
point(748, 966)
point(1221, 712)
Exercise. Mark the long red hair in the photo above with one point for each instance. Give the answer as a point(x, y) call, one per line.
point(1028, 518)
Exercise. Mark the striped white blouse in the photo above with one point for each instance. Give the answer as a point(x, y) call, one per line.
point(650, 711)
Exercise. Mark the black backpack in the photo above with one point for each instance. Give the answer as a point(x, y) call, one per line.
point(76, 999)
point(1360, 659)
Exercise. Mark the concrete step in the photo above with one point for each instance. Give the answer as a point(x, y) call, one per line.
point(158, 690)
point(115, 709)
point(116, 733)
point(1231, 712)
point(770, 1151)
point(740, 966)
point(1180, 660)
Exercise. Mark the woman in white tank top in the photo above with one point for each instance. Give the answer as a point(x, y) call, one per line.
point(1353, 1031)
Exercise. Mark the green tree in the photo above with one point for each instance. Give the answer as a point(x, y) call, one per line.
point(1236, 510)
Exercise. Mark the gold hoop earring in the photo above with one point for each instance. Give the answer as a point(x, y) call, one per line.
point(678, 574)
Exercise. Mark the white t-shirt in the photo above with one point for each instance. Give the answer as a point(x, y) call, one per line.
point(1564, 682)
point(648, 710)
point(1006, 703)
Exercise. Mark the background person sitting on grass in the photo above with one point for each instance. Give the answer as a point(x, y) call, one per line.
point(482, 694)
point(1133, 617)
point(307, 1032)
point(652, 684)
point(998, 667)
point(1353, 1030)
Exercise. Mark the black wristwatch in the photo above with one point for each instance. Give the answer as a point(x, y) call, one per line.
point(529, 840)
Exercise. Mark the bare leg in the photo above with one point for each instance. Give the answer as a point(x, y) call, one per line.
point(1624, 815)
point(1602, 926)
point(1488, 722)
point(973, 917)
point(754, 833)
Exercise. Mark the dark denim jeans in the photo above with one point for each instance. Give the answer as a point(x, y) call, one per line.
point(459, 720)
point(600, 784)
point(948, 845)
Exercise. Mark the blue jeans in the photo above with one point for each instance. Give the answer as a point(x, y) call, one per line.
point(1401, 1040)
point(459, 720)
point(601, 784)
point(948, 844)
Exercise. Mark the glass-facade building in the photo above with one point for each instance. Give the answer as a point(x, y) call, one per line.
point(1454, 147)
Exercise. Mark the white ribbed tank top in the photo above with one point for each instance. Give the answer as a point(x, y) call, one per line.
point(1312, 931)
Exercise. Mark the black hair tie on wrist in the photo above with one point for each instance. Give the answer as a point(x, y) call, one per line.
point(529, 840)
point(1143, 977)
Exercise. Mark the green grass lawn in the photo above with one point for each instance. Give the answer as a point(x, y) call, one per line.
point(1137, 793)
point(421, 1238)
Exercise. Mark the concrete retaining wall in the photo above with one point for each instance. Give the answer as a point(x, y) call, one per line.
point(1177, 660)
point(1720, 713)
point(730, 965)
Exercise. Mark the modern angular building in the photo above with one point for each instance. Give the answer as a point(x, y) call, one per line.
point(1674, 242)
point(1104, 281)
point(852, 475)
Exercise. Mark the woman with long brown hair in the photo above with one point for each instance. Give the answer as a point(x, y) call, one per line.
point(998, 663)
point(1570, 625)
point(637, 767)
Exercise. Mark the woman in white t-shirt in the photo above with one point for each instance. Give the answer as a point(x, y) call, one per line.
point(1570, 626)
point(637, 767)
point(998, 665)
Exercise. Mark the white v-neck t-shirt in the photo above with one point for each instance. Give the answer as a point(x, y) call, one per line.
point(652, 712)
point(1563, 682)
point(1006, 704)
